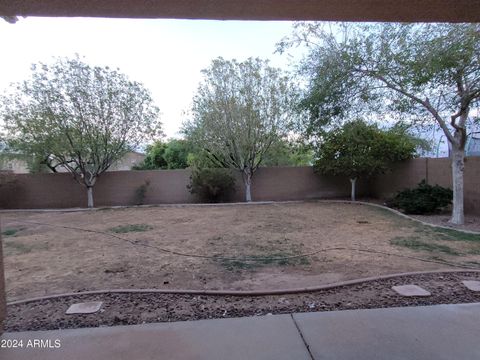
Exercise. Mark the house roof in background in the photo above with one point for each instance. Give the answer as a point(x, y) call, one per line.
point(348, 10)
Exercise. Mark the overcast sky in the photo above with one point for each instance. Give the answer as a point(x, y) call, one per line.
point(165, 55)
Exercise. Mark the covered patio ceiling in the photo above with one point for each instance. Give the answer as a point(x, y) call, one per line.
point(348, 10)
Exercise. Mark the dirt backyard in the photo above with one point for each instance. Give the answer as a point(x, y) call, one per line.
point(235, 247)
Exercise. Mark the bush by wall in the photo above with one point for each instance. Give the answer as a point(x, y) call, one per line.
point(424, 199)
point(141, 192)
point(212, 185)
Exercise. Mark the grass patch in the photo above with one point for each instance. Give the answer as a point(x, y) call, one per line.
point(431, 232)
point(10, 232)
point(257, 261)
point(16, 248)
point(418, 245)
point(122, 229)
point(451, 234)
point(475, 263)
point(253, 254)
point(475, 251)
point(249, 252)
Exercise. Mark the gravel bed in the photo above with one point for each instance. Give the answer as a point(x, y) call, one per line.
point(127, 309)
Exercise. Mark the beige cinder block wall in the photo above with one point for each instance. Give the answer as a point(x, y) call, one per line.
point(404, 175)
point(270, 183)
point(436, 171)
point(285, 183)
point(167, 187)
point(439, 172)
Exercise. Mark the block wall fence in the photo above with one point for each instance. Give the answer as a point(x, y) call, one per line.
point(34, 191)
point(434, 171)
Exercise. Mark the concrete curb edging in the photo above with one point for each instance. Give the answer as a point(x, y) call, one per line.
point(241, 292)
point(402, 215)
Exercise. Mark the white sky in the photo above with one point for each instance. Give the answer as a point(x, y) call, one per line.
point(165, 55)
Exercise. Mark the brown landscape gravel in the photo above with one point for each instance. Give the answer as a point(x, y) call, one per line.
point(126, 309)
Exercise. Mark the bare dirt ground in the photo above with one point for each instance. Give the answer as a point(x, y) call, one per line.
point(262, 244)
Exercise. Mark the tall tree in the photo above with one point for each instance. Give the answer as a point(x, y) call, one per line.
point(176, 154)
point(359, 150)
point(80, 116)
point(426, 73)
point(288, 153)
point(172, 154)
point(239, 111)
point(154, 158)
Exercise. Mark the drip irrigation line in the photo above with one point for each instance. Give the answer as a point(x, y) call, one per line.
point(246, 258)
point(241, 293)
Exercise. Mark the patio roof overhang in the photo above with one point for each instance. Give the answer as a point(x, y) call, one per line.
point(345, 10)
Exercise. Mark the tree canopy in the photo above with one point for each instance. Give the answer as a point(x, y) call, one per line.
point(239, 111)
point(172, 154)
point(81, 117)
point(288, 153)
point(428, 74)
point(360, 150)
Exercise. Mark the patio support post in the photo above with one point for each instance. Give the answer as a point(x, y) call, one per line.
point(3, 306)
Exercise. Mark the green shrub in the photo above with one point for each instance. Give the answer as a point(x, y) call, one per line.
point(424, 199)
point(212, 185)
point(9, 232)
point(140, 192)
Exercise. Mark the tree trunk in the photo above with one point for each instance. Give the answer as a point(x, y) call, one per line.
point(458, 160)
point(90, 196)
point(248, 192)
point(247, 179)
point(353, 181)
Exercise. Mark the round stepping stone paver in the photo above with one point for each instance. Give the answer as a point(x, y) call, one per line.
point(472, 285)
point(84, 308)
point(410, 290)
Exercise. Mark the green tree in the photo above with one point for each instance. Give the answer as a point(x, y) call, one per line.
point(288, 153)
point(359, 150)
point(201, 159)
point(172, 154)
point(176, 154)
point(81, 117)
point(239, 111)
point(425, 73)
point(154, 158)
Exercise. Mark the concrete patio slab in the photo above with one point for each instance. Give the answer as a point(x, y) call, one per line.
point(410, 290)
point(437, 332)
point(266, 337)
point(84, 308)
point(472, 285)
point(440, 332)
